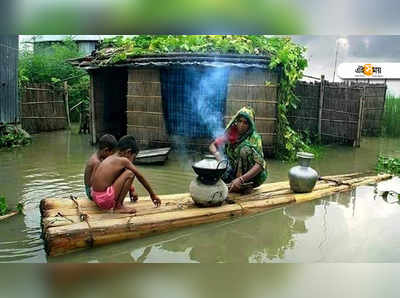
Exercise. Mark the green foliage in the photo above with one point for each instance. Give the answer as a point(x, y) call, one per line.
point(391, 119)
point(389, 165)
point(20, 208)
point(50, 65)
point(12, 136)
point(286, 57)
point(290, 58)
point(123, 48)
point(3, 206)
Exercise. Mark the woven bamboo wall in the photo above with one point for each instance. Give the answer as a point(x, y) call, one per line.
point(340, 113)
point(42, 108)
point(340, 116)
point(145, 118)
point(340, 110)
point(247, 87)
point(305, 117)
point(373, 108)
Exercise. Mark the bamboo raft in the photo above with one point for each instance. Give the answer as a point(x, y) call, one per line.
point(70, 224)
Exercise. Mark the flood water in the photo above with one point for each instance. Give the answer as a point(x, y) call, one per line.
point(350, 227)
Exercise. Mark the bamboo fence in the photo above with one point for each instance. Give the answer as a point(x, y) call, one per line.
point(44, 107)
point(339, 112)
point(373, 108)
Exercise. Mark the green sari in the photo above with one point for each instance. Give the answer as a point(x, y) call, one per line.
point(244, 152)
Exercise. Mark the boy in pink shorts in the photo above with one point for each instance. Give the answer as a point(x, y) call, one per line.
point(114, 176)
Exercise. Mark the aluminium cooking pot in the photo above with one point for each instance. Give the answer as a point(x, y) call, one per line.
point(209, 169)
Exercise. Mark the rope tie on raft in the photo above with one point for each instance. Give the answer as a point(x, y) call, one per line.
point(83, 217)
point(131, 226)
point(59, 214)
point(337, 182)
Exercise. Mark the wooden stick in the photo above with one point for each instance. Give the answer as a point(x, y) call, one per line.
point(321, 103)
point(8, 215)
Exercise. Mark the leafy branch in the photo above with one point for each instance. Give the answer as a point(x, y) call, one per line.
point(389, 165)
point(12, 136)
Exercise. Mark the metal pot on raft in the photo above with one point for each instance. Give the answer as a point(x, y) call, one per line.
point(302, 178)
point(208, 190)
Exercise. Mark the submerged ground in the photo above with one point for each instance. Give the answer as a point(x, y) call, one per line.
point(350, 227)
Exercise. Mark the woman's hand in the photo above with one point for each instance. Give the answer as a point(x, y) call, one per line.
point(235, 185)
point(218, 156)
point(214, 151)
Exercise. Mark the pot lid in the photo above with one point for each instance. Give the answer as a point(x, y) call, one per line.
point(209, 162)
point(306, 155)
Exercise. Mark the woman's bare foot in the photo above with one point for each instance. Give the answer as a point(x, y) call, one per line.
point(124, 209)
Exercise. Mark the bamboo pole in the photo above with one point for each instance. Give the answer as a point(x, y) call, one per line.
point(67, 104)
point(360, 119)
point(321, 103)
point(8, 215)
point(71, 232)
point(92, 110)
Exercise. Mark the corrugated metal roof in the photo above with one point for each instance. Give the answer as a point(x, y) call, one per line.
point(9, 108)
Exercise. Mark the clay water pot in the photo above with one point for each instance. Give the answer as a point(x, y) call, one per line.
point(208, 190)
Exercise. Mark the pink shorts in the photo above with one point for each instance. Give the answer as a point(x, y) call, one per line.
point(104, 199)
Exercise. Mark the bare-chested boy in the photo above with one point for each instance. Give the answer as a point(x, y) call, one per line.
point(114, 176)
point(106, 147)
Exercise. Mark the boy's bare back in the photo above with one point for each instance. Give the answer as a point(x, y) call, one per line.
point(108, 171)
point(90, 168)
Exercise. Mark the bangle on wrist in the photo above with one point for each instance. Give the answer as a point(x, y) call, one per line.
point(241, 179)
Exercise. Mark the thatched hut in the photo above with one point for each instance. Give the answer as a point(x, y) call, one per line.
point(180, 98)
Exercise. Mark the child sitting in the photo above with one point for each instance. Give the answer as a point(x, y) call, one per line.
point(114, 176)
point(106, 146)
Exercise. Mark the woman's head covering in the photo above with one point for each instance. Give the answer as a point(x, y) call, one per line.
point(251, 138)
point(231, 129)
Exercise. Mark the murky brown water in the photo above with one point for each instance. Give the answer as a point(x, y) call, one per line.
point(346, 228)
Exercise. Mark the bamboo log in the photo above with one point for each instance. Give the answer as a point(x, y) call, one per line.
point(67, 238)
point(64, 230)
point(8, 215)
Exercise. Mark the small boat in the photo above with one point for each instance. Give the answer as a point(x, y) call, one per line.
point(153, 156)
point(70, 224)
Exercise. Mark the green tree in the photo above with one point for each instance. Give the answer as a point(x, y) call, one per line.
point(52, 66)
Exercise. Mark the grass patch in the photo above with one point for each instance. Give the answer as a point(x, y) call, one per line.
point(3, 206)
point(391, 116)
